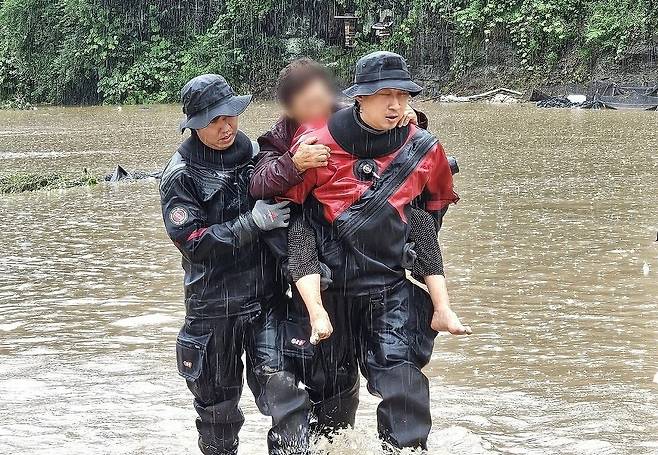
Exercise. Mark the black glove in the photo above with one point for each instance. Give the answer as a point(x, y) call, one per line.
point(409, 255)
point(268, 215)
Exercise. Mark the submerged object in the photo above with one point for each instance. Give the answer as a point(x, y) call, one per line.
point(555, 102)
point(577, 99)
point(537, 95)
point(120, 174)
point(633, 101)
point(604, 95)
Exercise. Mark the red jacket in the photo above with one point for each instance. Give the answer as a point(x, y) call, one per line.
point(336, 188)
point(275, 172)
point(370, 255)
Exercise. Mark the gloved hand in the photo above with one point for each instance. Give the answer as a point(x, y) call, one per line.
point(268, 215)
point(409, 255)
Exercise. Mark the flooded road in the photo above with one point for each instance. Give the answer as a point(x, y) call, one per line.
point(545, 254)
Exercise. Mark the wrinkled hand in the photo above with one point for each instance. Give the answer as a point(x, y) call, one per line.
point(446, 320)
point(408, 117)
point(268, 215)
point(321, 327)
point(310, 155)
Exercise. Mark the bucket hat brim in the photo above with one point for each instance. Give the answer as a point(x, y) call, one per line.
point(232, 107)
point(370, 88)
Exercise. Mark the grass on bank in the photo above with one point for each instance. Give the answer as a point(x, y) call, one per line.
point(19, 183)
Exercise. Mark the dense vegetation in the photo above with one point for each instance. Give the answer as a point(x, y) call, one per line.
point(18, 183)
point(137, 51)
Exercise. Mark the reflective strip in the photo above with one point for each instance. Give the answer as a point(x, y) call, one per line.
point(196, 234)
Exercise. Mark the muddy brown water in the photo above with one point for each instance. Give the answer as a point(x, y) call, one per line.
point(545, 253)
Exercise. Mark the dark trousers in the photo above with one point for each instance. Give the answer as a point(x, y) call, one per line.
point(387, 335)
point(209, 354)
point(329, 370)
point(392, 341)
point(285, 358)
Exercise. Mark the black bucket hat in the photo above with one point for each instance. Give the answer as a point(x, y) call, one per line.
point(207, 97)
point(379, 70)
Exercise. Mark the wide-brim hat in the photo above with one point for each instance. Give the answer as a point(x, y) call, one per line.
point(381, 70)
point(207, 97)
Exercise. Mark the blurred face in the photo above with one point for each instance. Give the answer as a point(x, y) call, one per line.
point(383, 109)
point(220, 133)
point(313, 102)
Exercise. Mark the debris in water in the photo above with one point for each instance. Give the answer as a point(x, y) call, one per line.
point(646, 269)
point(502, 98)
point(577, 99)
point(19, 183)
point(120, 174)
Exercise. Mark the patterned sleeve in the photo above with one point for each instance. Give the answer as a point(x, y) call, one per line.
point(302, 250)
point(423, 232)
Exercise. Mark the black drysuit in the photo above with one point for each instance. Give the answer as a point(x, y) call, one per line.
point(381, 320)
point(231, 286)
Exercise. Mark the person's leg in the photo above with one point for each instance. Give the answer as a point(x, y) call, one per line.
point(332, 376)
point(273, 379)
point(396, 342)
point(209, 356)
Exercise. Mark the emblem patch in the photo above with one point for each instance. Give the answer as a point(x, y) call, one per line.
point(178, 215)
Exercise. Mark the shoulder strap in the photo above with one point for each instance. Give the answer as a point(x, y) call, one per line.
point(393, 177)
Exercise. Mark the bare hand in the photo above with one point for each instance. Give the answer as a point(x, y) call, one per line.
point(445, 320)
point(321, 327)
point(310, 155)
point(408, 117)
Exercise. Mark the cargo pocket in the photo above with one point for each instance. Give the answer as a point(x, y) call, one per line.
point(191, 354)
point(294, 339)
point(421, 334)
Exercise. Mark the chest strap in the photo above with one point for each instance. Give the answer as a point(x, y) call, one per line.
point(392, 178)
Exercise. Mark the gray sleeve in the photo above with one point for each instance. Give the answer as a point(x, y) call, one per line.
point(424, 233)
point(302, 250)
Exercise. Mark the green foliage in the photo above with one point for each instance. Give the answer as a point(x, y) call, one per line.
point(614, 25)
point(138, 51)
point(146, 80)
point(246, 60)
point(19, 183)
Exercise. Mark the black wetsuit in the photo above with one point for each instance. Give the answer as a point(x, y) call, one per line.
point(381, 320)
point(232, 285)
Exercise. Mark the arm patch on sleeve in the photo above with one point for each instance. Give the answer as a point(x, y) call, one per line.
point(179, 215)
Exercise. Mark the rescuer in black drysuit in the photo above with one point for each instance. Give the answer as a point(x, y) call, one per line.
point(305, 91)
point(358, 206)
point(231, 278)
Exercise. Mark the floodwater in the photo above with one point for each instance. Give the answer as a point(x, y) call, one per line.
point(551, 257)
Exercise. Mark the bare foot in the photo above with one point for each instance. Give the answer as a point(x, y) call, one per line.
point(321, 327)
point(445, 320)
